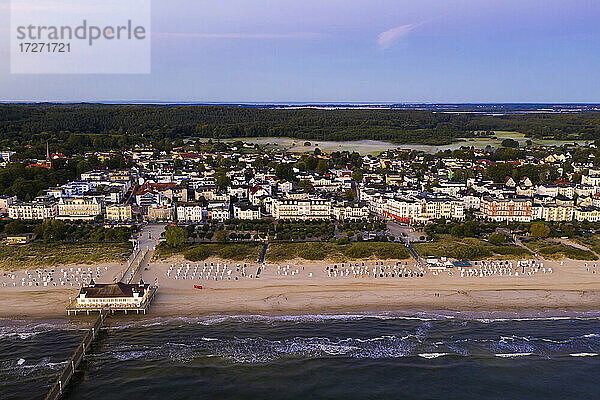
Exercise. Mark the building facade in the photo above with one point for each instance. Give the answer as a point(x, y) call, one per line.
point(301, 209)
point(119, 212)
point(79, 208)
point(509, 210)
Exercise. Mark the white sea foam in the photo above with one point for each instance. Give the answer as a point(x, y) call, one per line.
point(511, 355)
point(583, 354)
point(433, 355)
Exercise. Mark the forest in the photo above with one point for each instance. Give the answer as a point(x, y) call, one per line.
point(73, 128)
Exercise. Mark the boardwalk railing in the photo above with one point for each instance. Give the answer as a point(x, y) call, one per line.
point(73, 363)
point(134, 266)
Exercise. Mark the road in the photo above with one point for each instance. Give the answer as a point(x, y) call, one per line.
point(149, 236)
point(404, 232)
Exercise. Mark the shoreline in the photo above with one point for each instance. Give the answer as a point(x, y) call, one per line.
point(169, 304)
point(308, 288)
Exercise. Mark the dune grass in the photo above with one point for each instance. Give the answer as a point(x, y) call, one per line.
point(315, 251)
point(469, 249)
point(35, 255)
point(226, 251)
point(556, 251)
point(592, 243)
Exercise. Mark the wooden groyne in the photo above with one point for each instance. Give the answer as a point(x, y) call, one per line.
point(73, 363)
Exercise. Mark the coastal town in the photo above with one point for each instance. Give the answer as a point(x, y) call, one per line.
point(242, 181)
point(205, 214)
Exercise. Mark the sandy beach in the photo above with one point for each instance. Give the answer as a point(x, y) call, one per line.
point(572, 285)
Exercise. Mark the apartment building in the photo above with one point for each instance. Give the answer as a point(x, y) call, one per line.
point(191, 212)
point(246, 211)
point(441, 207)
point(351, 211)
point(119, 212)
point(6, 202)
point(405, 210)
point(33, 210)
point(507, 209)
point(219, 211)
point(301, 209)
point(591, 214)
point(552, 212)
point(79, 208)
point(160, 213)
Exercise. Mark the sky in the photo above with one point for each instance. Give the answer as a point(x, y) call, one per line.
point(431, 51)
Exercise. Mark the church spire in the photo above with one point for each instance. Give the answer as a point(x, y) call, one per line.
point(48, 159)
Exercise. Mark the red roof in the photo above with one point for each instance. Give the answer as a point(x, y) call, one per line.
point(155, 187)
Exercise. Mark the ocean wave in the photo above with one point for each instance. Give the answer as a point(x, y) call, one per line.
point(433, 355)
point(23, 367)
point(422, 342)
point(512, 355)
point(421, 316)
point(583, 354)
point(260, 350)
point(26, 330)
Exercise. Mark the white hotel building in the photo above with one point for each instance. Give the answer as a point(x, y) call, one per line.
point(302, 209)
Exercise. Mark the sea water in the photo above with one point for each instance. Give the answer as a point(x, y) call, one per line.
point(408, 355)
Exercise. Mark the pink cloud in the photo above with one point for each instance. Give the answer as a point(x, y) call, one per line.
point(388, 38)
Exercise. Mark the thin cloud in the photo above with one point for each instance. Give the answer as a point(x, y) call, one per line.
point(295, 35)
point(388, 38)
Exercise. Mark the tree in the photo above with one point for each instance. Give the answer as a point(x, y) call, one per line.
point(51, 230)
point(176, 236)
point(306, 185)
point(539, 230)
point(510, 143)
point(357, 175)
point(349, 194)
point(222, 180)
point(221, 236)
point(497, 238)
point(285, 172)
point(15, 227)
point(322, 167)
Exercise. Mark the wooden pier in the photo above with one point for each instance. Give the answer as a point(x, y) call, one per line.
point(69, 371)
point(73, 308)
point(103, 311)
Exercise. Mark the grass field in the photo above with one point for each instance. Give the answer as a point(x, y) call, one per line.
point(199, 252)
point(555, 251)
point(277, 252)
point(36, 255)
point(469, 248)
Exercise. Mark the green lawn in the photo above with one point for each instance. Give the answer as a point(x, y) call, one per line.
point(555, 251)
point(278, 252)
point(36, 255)
point(469, 248)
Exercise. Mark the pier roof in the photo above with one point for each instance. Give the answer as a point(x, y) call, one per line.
point(118, 289)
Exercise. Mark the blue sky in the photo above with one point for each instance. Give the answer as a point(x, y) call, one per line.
point(347, 50)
